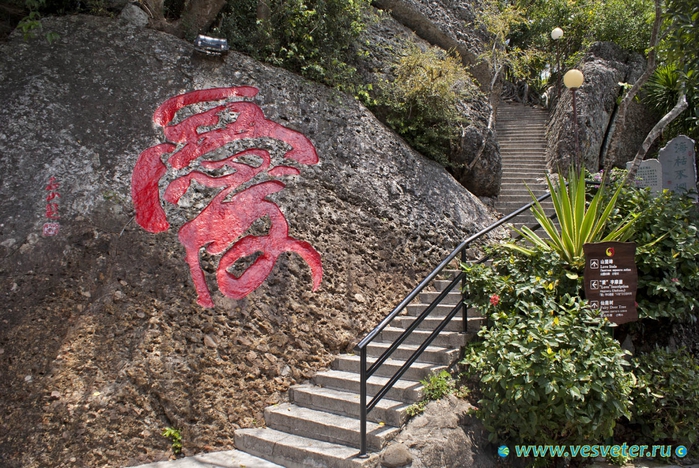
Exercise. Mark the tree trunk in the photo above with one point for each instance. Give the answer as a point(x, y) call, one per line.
point(613, 150)
point(493, 97)
point(197, 17)
point(654, 134)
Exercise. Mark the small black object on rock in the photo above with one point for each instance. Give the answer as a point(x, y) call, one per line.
point(210, 45)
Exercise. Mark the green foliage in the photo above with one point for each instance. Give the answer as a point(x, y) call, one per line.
point(661, 93)
point(680, 45)
point(627, 23)
point(533, 56)
point(666, 398)
point(517, 281)
point(422, 103)
point(436, 386)
point(310, 37)
point(667, 252)
point(580, 222)
point(550, 374)
point(31, 24)
point(175, 438)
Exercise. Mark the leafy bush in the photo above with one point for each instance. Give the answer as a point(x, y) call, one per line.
point(310, 37)
point(550, 375)
point(666, 398)
point(422, 103)
point(667, 252)
point(625, 22)
point(516, 281)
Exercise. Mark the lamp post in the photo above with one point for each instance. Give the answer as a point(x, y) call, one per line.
point(556, 35)
point(574, 79)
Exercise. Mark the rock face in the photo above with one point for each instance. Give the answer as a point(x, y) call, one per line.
point(445, 23)
point(445, 435)
point(103, 343)
point(605, 66)
point(389, 37)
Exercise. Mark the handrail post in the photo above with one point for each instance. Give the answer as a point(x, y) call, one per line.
point(464, 308)
point(362, 403)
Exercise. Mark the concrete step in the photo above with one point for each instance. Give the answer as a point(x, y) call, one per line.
point(518, 164)
point(445, 339)
point(404, 390)
point(429, 323)
point(441, 310)
point(440, 284)
point(522, 199)
point(522, 189)
point(532, 146)
point(534, 138)
point(388, 411)
point(530, 128)
point(521, 123)
point(328, 427)
point(433, 354)
point(292, 451)
point(416, 372)
point(513, 168)
point(438, 312)
point(452, 298)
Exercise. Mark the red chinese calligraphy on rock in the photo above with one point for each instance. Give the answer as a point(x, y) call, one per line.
point(219, 226)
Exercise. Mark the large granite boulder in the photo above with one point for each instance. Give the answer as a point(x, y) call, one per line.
point(327, 220)
point(477, 164)
point(604, 66)
point(448, 24)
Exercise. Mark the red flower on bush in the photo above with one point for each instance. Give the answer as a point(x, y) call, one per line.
point(494, 299)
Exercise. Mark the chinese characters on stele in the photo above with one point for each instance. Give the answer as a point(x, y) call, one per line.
point(219, 143)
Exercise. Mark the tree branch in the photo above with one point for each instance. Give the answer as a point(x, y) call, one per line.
point(654, 134)
point(613, 150)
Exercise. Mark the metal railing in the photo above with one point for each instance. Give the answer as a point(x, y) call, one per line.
point(361, 348)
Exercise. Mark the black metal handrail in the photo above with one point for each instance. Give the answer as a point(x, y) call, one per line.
point(366, 373)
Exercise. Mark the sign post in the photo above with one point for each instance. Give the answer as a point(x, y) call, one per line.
point(611, 280)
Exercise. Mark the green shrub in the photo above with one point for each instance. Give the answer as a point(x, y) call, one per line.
point(550, 374)
point(422, 102)
point(666, 398)
point(667, 252)
point(516, 281)
point(311, 37)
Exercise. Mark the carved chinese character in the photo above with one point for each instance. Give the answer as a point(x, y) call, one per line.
point(221, 226)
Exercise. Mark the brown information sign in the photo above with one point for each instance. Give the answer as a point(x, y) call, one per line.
point(611, 280)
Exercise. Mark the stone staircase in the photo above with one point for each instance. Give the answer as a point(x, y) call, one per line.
point(319, 426)
point(521, 133)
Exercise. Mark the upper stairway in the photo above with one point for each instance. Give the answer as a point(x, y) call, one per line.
point(521, 134)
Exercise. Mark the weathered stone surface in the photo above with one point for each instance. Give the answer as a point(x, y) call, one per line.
point(386, 42)
point(605, 66)
point(445, 435)
point(447, 24)
point(102, 314)
point(396, 456)
point(131, 14)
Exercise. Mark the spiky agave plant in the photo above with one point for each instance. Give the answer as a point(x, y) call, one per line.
point(580, 222)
